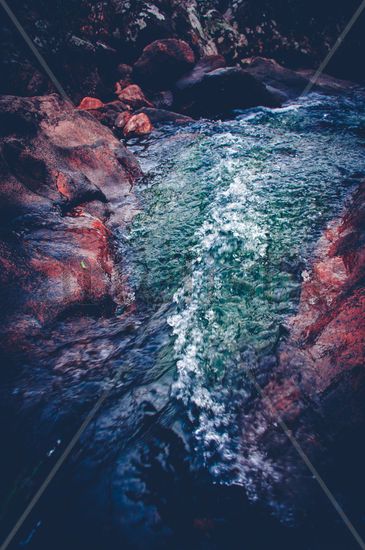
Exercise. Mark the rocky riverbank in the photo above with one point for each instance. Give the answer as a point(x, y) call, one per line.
point(318, 386)
point(67, 185)
point(68, 194)
point(85, 42)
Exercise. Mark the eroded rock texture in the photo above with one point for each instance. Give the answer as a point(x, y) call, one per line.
point(66, 185)
point(318, 387)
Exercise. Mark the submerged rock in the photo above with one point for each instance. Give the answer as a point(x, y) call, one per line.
point(66, 186)
point(162, 63)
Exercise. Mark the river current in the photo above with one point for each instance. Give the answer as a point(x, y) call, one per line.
point(230, 213)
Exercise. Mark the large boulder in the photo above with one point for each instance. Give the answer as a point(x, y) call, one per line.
point(162, 63)
point(218, 92)
point(289, 82)
point(65, 186)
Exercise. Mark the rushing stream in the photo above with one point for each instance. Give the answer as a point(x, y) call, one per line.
point(230, 213)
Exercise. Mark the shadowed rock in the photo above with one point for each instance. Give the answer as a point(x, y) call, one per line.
point(162, 63)
point(218, 92)
point(65, 187)
point(204, 66)
point(108, 113)
point(160, 116)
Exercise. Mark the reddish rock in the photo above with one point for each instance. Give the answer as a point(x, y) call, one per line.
point(90, 103)
point(63, 175)
point(133, 96)
point(162, 63)
point(318, 386)
point(122, 119)
point(108, 113)
point(161, 116)
point(138, 125)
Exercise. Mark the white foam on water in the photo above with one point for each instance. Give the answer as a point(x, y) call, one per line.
point(231, 216)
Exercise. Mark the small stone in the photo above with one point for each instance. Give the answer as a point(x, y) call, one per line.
point(138, 125)
point(132, 95)
point(90, 103)
point(122, 119)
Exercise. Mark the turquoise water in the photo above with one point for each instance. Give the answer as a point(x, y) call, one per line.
point(230, 216)
point(231, 212)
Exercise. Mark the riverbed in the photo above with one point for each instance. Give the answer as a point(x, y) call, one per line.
point(230, 213)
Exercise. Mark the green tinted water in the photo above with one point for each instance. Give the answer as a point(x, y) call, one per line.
point(230, 214)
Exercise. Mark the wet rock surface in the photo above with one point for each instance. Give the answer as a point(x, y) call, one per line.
point(67, 196)
point(220, 91)
point(318, 386)
point(66, 186)
point(162, 63)
point(292, 83)
point(137, 125)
